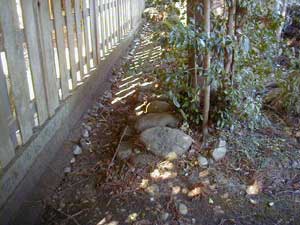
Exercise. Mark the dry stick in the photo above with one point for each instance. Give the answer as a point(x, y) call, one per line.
point(67, 215)
point(115, 155)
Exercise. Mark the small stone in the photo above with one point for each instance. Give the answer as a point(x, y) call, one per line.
point(85, 133)
point(77, 150)
point(158, 107)
point(203, 162)
point(67, 170)
point(73, 160)
point(183, 209)
point(220, 152)
point(271, 204)
point(165, 216)
point(298, 134)
point(193, 221)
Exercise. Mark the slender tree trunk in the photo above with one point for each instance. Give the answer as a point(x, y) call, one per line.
point(283, 14)
point(228, 58)
point(191, 51)
point(206, 66)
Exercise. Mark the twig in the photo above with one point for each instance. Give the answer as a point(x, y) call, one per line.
point(117, 150)
point(67, 215)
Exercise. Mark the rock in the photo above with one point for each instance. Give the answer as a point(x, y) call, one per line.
point(67, 170)
point(77, 150)
point(85, 133)
point(73, 160)
point(124, 151)
point(298, 134)
point(107, 95)
point(155, 120)
point(158, 107)
point(165, 141)
point(203, 162)
point(183, 209)
point(165, 216)
point(220, 152)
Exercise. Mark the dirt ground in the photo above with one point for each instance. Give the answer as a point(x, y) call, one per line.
point(258, 182)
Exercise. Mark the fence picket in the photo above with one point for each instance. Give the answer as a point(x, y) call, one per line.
point(13, 43)
point(45, 35)
point(7, 151)
point(93, 31)
point(103, 27)
point(33, 45)
point(71, 41)
point(60, 44)
point(86, 35)
point(98, 30)
point(79, 35)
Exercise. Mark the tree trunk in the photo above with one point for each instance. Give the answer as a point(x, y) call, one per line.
point(206, 66)
point(282, 11)
point(191, 51)
point(228, 57)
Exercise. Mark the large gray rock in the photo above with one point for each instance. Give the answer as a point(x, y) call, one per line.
point(156, 120)
point(165, 141)
point(158, 107)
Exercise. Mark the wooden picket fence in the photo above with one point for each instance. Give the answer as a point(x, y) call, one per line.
point(47, 49)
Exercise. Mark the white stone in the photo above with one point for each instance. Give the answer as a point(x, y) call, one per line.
point(85, 133)
point(73, 160)
point(67, 170)
point(77, 150)
point(183, 209)
point(220, 152)
point(203, 162)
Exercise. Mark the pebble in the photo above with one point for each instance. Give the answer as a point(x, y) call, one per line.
point(67, 170)
point(77, 150)
point(85, 133)
point(220, 152)
point(203, 162)
point(73, 160)
point(165, 216)
point(183, 209)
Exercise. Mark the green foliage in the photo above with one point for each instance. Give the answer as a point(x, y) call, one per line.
point(235, 99)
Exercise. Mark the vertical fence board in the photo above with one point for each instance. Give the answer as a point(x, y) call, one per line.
point(106, 22)
point(97, 30)
point(103, 27)
point(111, 22)
point(7, 151)
point(86, 35)
point(115, 17)
point(13, 44)
point(45, 34)
point(93, 31)
point(60, 44)
point(33, 44)
point(71, 41)
point(118, 20)
point(79, 34)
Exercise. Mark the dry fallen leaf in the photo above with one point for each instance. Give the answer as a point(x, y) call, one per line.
point(254, 189)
